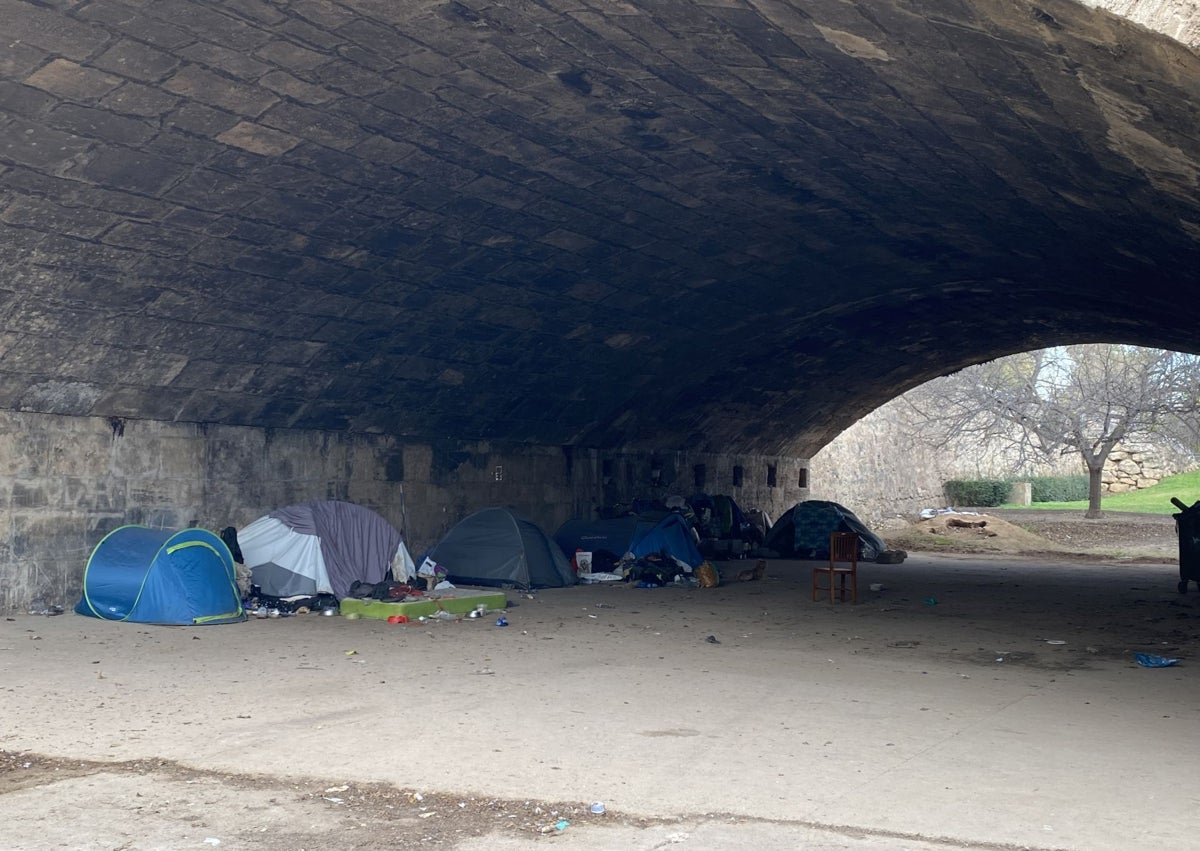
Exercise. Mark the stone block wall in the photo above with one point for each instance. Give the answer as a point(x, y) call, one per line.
point(877, 470)
point(66, 482)
point(1133, 469)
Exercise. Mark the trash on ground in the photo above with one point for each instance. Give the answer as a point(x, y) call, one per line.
point(930, 513)
point(594, 578)
point(1151, 660)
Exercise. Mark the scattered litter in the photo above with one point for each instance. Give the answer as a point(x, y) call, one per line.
point(876, 586)
point(427, 815)
point(351, 652)
point(333, 800)
point(1150, 660)
point(931, 601)
point(597, 808)
point(333, 789)
point(712, 639)
point(212, 840)
point(930, 513)
point(501, 621)
point(1054, 641)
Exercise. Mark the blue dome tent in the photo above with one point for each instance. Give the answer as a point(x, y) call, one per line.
point(640, 535)
point(157, 576)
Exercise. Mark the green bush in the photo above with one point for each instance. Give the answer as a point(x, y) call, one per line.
point(1058, 488)
point(976, 493)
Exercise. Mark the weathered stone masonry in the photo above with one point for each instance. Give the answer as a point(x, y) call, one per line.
point(65, 482)
point(721, 231)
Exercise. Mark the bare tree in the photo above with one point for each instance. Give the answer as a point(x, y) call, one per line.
point(1083, 400)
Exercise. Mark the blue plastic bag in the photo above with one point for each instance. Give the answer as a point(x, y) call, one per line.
point(1149, 660)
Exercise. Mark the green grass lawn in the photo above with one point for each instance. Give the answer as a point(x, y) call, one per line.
point(1156, 500)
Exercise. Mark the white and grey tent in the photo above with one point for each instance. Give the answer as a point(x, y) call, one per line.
point(322, 547)
point(495, 546)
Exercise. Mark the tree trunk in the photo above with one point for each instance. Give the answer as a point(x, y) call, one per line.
point(1094, 489)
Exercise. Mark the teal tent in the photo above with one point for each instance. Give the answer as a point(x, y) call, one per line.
point(157, 576)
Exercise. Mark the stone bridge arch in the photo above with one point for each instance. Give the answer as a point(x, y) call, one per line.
point(402, 239)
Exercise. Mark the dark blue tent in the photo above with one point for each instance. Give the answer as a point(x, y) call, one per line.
point(803, 532)
point(157, 576)
point(641, 536)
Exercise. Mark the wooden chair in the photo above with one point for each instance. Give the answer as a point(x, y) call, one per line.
point(843, 565)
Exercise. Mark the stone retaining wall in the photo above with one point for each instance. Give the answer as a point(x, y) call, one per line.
point(65, 482)
point(1134, 469)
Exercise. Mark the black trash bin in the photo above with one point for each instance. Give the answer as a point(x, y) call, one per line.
point(1187, 527)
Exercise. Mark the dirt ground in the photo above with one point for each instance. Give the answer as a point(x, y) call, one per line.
point(982, 701)
point(1121, 536)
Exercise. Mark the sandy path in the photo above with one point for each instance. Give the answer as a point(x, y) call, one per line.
point(934, 709)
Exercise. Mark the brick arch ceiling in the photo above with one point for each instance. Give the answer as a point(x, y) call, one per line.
point(732, 225)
